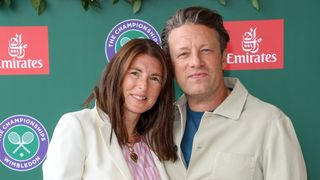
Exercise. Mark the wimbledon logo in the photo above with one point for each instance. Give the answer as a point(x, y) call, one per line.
point(23, 142)
point(127, 30)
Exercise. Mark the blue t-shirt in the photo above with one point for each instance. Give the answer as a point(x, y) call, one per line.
point(192, 125)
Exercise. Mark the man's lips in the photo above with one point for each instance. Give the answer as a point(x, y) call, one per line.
point(197, 75)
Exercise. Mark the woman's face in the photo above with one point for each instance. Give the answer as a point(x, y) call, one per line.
point(142, 84)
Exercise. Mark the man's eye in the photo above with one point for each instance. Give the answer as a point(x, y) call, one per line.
point(183, 55)
point(206, 50)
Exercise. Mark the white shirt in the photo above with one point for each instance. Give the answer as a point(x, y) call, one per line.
point(244, 138)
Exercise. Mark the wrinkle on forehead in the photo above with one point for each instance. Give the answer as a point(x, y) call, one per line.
point(191, 35)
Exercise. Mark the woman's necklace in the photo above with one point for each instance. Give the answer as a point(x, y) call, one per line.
point(133, 154)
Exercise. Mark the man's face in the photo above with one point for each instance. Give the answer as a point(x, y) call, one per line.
point(197, 59)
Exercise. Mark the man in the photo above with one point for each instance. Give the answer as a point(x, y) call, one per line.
point(221, 131)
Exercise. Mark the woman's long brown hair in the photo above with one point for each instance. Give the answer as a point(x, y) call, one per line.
point(156, 124)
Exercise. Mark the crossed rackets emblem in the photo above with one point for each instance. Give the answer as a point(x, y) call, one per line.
point(26, 138)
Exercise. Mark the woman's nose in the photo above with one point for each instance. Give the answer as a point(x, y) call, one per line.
point(143, 83)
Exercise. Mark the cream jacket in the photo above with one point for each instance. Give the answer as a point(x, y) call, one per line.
point(242, 139)
point(80, 149)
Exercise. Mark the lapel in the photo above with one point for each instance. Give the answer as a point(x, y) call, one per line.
point(160, 167)
point(180, 123)
point(179, 127)
point(113, 146)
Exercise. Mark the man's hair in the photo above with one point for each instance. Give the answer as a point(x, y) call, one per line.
point(195, 15)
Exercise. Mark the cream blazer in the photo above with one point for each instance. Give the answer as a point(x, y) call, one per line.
point(80, 149)
point(244, 138)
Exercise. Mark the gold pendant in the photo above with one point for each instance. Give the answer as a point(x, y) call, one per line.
point(134, 157)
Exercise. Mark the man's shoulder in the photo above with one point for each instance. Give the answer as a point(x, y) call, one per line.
point(263, 108)
point(260, 103)
point(253, 103)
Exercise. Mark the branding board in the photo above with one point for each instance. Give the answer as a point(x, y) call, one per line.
point(24, 50)
point(255, 44)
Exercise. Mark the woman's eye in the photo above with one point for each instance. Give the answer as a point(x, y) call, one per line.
point(134, 73)
point(156, 79)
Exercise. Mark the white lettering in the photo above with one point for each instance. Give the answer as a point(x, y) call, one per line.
point(21, 63)
point(25, 165)
point(112, 40)
point(128, 25)
point(1, 134)
point(251, 58)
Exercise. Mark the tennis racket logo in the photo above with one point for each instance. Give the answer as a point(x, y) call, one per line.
point(27, 138)
point(23, 142)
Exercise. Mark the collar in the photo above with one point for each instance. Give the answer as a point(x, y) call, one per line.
point(232, 106)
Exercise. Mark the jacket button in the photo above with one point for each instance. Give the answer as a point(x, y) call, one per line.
point(175, 148)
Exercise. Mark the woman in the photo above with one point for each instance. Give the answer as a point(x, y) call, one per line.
point(129, 131)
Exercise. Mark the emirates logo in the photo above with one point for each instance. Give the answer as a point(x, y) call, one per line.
point(250, 41)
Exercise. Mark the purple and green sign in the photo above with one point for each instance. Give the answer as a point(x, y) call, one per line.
point(127, 30)
point(23, 142)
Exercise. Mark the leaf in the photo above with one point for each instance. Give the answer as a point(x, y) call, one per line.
point(7, 3)
point(36, 4)
point(95, 3)
point(85, 4)
point(42, 7)
point(223, 2)
point(115, 1)
point(136, 6)
point(255, 4)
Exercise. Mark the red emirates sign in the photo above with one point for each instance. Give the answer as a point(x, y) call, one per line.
point(255, 44)
point(24, 50)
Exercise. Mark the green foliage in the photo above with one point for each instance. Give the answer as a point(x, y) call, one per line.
point(254, 3)
point(114, 1)
point(223, 2)
point(91, 3)
point(6, 3)
point(40, 5)
point(135, 4)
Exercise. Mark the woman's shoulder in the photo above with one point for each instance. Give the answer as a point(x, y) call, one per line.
point(82, 117)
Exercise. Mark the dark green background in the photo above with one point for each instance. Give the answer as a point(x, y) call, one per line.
point(76, 47)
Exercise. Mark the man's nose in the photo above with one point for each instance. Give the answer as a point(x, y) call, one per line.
point(196, 60)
